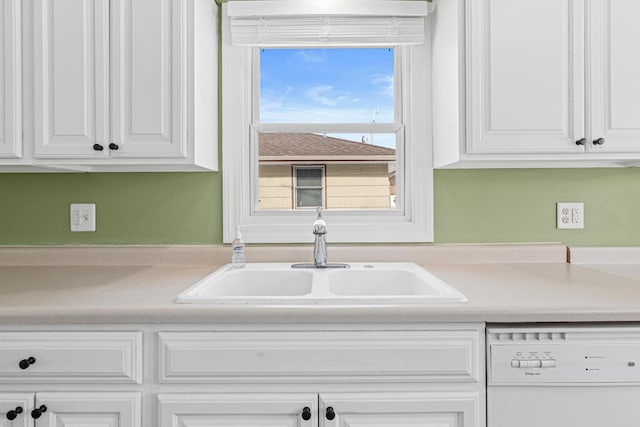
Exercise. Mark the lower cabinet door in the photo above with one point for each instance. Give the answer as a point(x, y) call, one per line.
point(446, 409)
point(15, 409)
point(242, 410)
point(90, 409)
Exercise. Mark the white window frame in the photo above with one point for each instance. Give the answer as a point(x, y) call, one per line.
point(296, 187)
point(240, 159)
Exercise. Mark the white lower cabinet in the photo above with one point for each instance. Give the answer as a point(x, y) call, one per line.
point(395, 375)
point(94, 409)
point(71, 409)
point(15, 409)
point(322, 377)
point(256, 410)
point(440, 409)
point(325, 409)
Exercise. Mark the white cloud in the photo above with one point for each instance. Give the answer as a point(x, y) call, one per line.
point(311, 58)
point(384, 82)
point(326, 95)
point(321, 94)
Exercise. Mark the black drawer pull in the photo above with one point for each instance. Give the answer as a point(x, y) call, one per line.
point(13, 414)
point(36, 413)
point(306, 413)
point(25, 363)
point(330, 414)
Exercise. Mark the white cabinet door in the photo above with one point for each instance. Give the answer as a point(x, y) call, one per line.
point(615, 67)
point(10, 80)
point(241, 410)
point(71, 78)
point(525, 76)
point(149, 84)
point(110, 78)
point(15, 409)
point(93, 409)
point(400, 410)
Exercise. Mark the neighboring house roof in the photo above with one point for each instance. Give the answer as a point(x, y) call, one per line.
point(309, 146)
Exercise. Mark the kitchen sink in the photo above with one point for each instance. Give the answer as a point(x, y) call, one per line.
point(361, 283)
point(389, 280)
point(261, 282)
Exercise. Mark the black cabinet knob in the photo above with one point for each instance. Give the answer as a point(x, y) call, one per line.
point(113, 146)
point(36, 413)
point(581, 141)
point(98, 147)
point(306, 413)
point(13, 414)
point(599, 141)
point(25, 363)
point(330, 414)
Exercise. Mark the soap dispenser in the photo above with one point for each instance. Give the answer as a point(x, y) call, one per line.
point(238, 259)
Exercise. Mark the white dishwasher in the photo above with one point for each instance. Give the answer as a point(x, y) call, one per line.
point(563, 376)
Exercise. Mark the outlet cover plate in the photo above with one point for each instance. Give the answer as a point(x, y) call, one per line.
point(570, 216)
point(83, 216)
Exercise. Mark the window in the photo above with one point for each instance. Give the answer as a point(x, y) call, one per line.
point(362, 151)
point(309, 187)
point(349, 89)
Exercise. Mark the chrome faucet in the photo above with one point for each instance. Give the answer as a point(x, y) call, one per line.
point(320, 243)
point(320, 247)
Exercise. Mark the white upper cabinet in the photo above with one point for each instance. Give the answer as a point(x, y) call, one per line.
point(71, 77)
point(525, 76)
point(149, 81)
point(550, 83)
point(10, 80)
point(615, 67)
point(125, 85)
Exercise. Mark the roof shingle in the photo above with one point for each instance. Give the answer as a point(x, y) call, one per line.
point(310, 144)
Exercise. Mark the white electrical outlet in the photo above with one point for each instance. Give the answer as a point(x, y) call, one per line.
point(83, 217)
point(570, 215)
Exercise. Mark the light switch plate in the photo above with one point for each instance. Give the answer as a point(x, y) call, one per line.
point(570, 216)
point(83, 216)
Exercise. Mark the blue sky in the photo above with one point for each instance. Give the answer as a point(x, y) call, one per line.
point(326, 86)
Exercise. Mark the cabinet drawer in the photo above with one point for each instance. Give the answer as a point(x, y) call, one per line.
point(320, 356)
point(105, 357)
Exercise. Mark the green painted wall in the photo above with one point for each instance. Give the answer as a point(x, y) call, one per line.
point(473, 206)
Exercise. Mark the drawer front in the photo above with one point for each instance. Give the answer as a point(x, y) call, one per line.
point(104, 357)
point(329, 356)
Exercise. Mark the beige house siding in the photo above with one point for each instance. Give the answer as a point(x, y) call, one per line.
point(275, 187)
point(347, 186)
point(358, 186)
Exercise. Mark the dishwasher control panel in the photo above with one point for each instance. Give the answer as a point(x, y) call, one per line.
point(533, 363)
point(576, 357)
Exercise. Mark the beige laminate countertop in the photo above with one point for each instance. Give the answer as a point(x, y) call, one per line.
point(496, 291)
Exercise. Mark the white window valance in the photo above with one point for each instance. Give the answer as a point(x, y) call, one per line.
point(273, 23)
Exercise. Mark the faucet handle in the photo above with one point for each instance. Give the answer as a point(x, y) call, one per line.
point(319, 226)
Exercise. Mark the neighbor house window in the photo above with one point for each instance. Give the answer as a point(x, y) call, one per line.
point(309, 187)
point(344, 86)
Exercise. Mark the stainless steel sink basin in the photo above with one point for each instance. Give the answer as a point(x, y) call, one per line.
point(360, 284)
